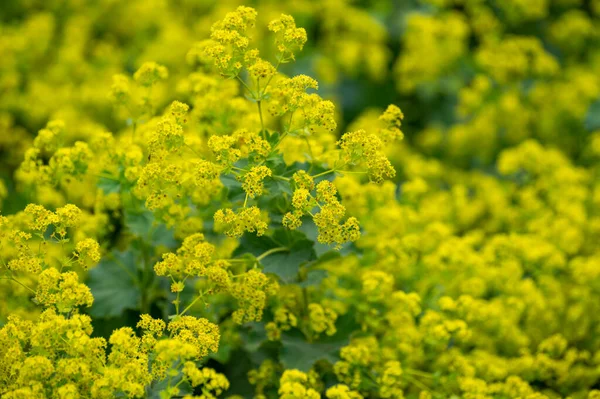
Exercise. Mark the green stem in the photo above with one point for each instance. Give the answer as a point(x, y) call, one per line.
point(418, 383)
point(278, 142)
point(323, 173)
point(418, 372)
point(270, 252)
point(191, 149)
point(178, 369)
point(262, 123)
point(191, 304)
point(246, 86)
point(133, 130)
point(310, 153)
point(109, 177)
point(124, 268)
point(177, 303)
point(271, 78)
point(273, 148)
point(146, 283)
point(20, 283)
point(235, 260)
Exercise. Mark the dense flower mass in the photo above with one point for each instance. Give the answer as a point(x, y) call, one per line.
point(304, 199)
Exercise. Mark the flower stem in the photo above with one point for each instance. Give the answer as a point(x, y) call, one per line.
point(191, 304)
point(323, 173)
point(270, 252)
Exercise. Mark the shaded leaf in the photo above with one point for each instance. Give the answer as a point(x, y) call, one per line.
point(184, 388)
point(139, 223)
point(297, 353)
point(234, 188)
point(311, 231)
point(314, 277)
point(592, 119)
point(237, 373)
point(254, 245)
point(109, 185)
point(287, 264)
point(113, 285)
point(163, 236)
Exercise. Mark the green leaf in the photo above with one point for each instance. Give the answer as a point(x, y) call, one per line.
point(113, 285)
point(297, 353)
point(109, 185)
point(237, 372)
point(139, 223)
point(155, 389)
point(276, 163)
point(254, 245)
point(234, 188)
point(311, 231)
point(104, 327)
point(272, 137)
point(314, 277)
point(163, 236)
point(253, 335)
point(592, 119)
point(277, 186)
point(285, 264)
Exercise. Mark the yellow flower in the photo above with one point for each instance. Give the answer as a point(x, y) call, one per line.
point(150, 73)
point(251, 292)
point(321, 319)
point(288, 38)
point(253, 180)
point(87, 252)
point(202, 334)
point(40, 217)
point(235, 224)
point(62, 290)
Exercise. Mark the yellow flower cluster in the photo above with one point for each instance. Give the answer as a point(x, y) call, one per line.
point(290, 95)
point(87, 252)
point(213, 383)
point(228, 149)
point(359, 147)
point(246, 219)
point(341, 391)
point(201, 334)
point(331, 212)
point(169, 131)
point(150, 73)
point(53, 354)
point(328, 219)
point(440, 40)
point(253, 180)
point(283, 320)
point(251, 292)
point(62, 290)
point(514, 58)
point(231, 40)
point(321, 320)
point(288, 38)
point(50, 162)
point(294, 385)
